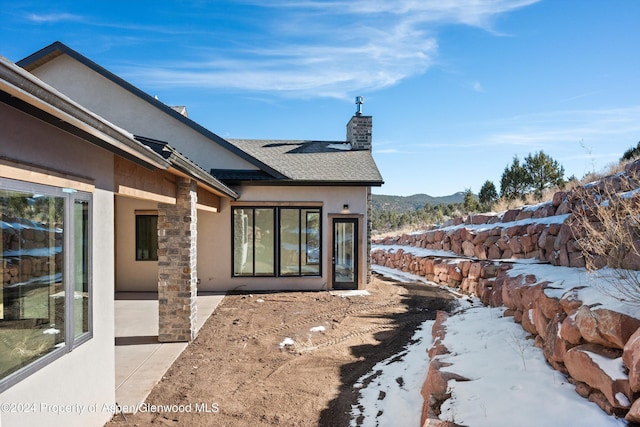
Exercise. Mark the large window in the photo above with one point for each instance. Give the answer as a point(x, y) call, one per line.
point(270, 241)
point(45, 298)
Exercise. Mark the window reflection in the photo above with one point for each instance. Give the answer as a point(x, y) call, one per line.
point(33, 299)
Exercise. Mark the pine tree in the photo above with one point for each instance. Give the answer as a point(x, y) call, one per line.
point(470, 202)
point(543, 172)
point(488, 195)
point(514, 182)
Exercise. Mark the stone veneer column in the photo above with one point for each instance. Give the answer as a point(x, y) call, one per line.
point(177, 260)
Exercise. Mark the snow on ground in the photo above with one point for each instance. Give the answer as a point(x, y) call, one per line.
point(512, 385)
point(554, 219)
point(596, 291)
point(390, 393)
point(423, 252)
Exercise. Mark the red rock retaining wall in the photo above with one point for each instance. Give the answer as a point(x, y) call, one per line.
point(567, 331)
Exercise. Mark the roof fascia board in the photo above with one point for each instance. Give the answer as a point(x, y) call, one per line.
point(36, 59)
point(296, 183)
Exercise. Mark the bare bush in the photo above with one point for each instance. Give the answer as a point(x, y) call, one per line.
point(606, 226)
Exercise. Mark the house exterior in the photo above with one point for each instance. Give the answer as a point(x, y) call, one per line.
point(105, 189)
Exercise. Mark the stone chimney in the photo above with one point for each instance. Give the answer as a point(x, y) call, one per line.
point(359, 128)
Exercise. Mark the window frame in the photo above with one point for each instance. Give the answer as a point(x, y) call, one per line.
point(146, 214)
point(277, 240)
point(71, 341)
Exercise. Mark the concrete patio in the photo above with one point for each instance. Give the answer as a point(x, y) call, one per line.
point(141, 360)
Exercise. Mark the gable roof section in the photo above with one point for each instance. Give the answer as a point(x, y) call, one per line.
point(310, 162)
point(57, 48)
point(25, 92)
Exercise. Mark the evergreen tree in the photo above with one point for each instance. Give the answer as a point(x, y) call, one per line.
point(514, 182)
point(488, 195)
point(470, 202)
point(631, 153)
point(543, 172)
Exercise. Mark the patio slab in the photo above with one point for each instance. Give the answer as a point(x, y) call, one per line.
point(141, 360)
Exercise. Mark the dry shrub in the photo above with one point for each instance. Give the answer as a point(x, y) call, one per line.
point(606, 226)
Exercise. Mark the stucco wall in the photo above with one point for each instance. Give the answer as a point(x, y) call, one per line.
point(132, 275)
point(214, 237)
point(85, 375)
point(124, 109)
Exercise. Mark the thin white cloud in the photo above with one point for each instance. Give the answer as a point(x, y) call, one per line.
point(388, 151)
point(52, 17)
point(328, 48)
point(550, 129)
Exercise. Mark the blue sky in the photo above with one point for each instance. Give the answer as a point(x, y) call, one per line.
point(456, 88)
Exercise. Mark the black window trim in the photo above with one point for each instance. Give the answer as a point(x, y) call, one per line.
point(143, 213)
point(276, 241)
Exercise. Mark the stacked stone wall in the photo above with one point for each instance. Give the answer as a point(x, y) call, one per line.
point(543, 232)
point(567, 331)
point(483, 248)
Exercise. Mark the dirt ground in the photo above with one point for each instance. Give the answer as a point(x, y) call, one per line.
point(236, 374)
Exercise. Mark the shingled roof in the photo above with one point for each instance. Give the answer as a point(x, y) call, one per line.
point(306, 162)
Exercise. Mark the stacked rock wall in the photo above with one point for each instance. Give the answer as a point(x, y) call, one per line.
point(519, 233)
point(569, 332)
point(543, 231)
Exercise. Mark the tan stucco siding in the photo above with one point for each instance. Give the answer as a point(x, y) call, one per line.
point(64, 381)
point(30, 141)
point(132, 275)
point(127, 111)
point(214, 236)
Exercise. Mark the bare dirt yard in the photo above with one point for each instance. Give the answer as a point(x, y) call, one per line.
point(236, 373)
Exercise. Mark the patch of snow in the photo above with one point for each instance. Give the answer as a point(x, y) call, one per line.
point(622, 399)
point(555, 219)
point(564, 279)
point(398, 275)
point(344, 147)
point(287, 341)
point(354, 293)
point(421, 252)
point(390, 393)
point(612, 367)
point(405, 277)
point(317, 329)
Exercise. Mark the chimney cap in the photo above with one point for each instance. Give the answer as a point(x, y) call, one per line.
point(359, 102)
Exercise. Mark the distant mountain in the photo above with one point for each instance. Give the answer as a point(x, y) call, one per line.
point(411, 203)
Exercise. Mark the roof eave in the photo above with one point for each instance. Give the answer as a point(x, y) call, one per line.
point(307, 183)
